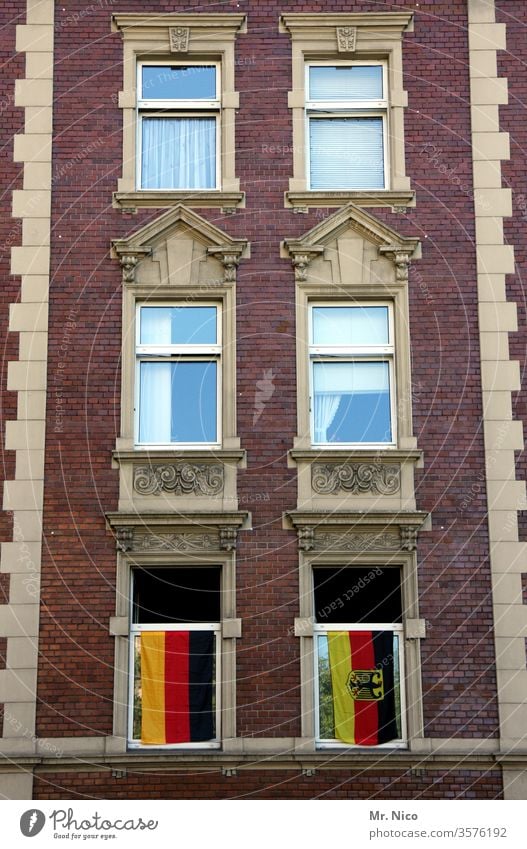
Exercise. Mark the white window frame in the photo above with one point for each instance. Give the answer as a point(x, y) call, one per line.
point(135, 630)
point(353, 353)
point(348, 109)
point(189, 353)
point(178, 109)
point(397, 628)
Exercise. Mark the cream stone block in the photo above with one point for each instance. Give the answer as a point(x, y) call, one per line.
point(16, 785)
point(23, 495)
point(31, 259)
point(512, 686)
point(510, 652)
point(38, 119)
point(22, 652)
point(33, 92)
point(22, 435)
point(34, 38)
point(31, 405)
point(487, 175)
point(481, 11)
point(503, 434)
point(26, 375)
point(493, 202)
point(507, 589)
point(510, 620)
point(503, 525)
point(34, 288)
point(23, 556)
point(489, 90)
point(24, 588)
point(487, 37)
point(29, 317)
point(500, 465)
point(18, 685)
point(495, 259)
point(27, 527)
point(29, 465)
point(495, 346)
point(513, 718)
point(31, 204)
point(506, 495)
point(500, 376)
point(483, 63)
point(515, 784)
point(509, 557)
point(498, 317)
point(33, 346)
point(497, 406)
point(491, 287)
point(485, 118)
point(36, 231)
point(489, 231)
point(71, 745)
point(37, 175)
point(20, 620)
point(39, 11)
point(39, 66)
point(32, 147)
point(490, 146)
point(19, 717)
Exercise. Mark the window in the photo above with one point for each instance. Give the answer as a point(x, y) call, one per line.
point(178, 125)
point(346, 113)
point(178, 354)
point(359, 659)
point(174, 696)
point(351, 355)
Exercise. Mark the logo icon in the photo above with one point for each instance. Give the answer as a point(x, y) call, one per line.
point(366, 685)
point(32, 822)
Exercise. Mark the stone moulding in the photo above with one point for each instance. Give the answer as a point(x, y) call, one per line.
point(340, 541)
point(355, 478)
point(175, 542)
point(179, 478)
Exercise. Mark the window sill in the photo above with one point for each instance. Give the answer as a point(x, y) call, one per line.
point(131, 201)
point(302, 201)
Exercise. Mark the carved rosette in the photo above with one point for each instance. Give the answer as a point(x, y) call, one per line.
point(353, 541)
point(179, 38)
point(346, 39)
point(179, 478)
point(361, 478)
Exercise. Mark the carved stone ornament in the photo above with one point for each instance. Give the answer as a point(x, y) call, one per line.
point(372, 478)
point(179, 478)
point(124, 538)
point(128, 264)
point(228, 538)
point(176, 542)
point(346, 39)
point(306, 538)
point(352, 541)
point(401, 260)
point(230, 264)
point(409, 535)
point(300, 264)
point(179, 38)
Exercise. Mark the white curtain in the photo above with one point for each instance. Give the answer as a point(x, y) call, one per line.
point(178, 153)
point(326, 407)
point(333, 381)
point(155, 403)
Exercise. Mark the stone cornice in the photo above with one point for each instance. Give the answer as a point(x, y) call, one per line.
point(301, 21)
point(224, 21)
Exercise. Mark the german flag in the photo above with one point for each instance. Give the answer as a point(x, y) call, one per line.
point(176, 686)
point(362, 677)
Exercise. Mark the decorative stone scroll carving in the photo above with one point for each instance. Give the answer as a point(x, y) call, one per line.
point(352, 541)
point(230, 264)
point(401, 260)
point(179, 478)
point(179, 38)
point(124, 538)
point(373, 478)
point(229, 256)
point(300, 264)
point(346, 39)
point(129, 260)
point(409, 535)
point(175, 542)
point(306, 538)
point(228, 538)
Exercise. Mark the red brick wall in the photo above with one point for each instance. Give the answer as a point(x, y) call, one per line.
point(76, 672)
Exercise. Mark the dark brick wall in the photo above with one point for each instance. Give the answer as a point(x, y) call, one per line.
point(339, 784)
point(76, 672)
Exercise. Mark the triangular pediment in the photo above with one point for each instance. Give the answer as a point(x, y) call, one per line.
point(179, 219)
point(353, 218)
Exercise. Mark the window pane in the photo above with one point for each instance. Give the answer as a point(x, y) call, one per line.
point(352, 402)
point(346, 153)
point(345, 82)
point(178, 326)
point(193, 82)
point(359, 709)
point(357, 594)
point(350, 325)
point(178, 153)
point(176, 595)
point(177, 402)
